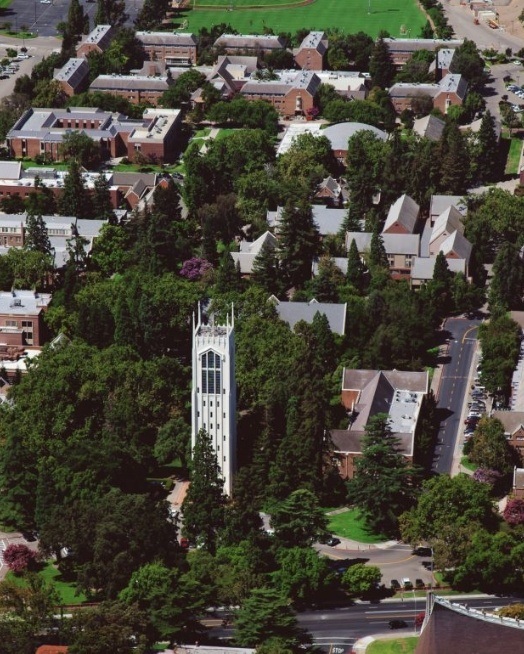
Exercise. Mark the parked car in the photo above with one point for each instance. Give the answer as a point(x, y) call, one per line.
point(397, 624)
point(395, 584)
point(422, 551)
point(333, 541)
point(406, 583)
point(419, 584)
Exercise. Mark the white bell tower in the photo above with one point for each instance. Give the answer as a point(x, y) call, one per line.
point(213, 394)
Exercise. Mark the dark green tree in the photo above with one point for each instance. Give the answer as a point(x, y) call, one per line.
point(36, 235)
point(81, 148)
point(110, 12)
point(507, 285)
point(377, 252)
point(102, 207)
point(266, 615)
point(491, 449)
point(381, 65)
point(355, 270)
point(298, 521)
point(487, 149)
point(265, 271)
point(203, 506)
point(227, 276)
point(302, 574)
point(454, 164)
point(384, 483)
point(75, 200)
point(299, 242)
point(360, 579)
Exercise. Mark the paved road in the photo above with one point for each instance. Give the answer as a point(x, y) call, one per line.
point(336, 630)
point(453, 389)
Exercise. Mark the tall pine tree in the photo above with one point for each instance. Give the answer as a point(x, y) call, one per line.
point(355, 270)
point(299, 243)
point(36, 235)
point(203, 506)
point(265, 272)
point(381, 66)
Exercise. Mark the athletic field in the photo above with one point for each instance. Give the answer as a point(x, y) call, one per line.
point(398, 17)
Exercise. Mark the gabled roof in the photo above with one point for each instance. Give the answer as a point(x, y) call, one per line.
point(404, 211)
point(293, 312)
point(349, 441)
point(512, 420)
point(450, 220)
point(327, 220)
point(429, 127)
point(314, 41)
point(184, 39)
point(458, 244)
point(393, 243)
point(422, 268)
point(250, 41)
point(249, 252)
point(266, 240)
point(454, 83)
point(440, 203)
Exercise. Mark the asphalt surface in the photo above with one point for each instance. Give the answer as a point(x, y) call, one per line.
point(453, 389)
point(43, 18)
point(336, 630)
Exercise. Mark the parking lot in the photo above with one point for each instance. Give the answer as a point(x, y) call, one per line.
point(43, 17)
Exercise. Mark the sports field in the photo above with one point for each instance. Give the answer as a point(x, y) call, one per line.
point(398, 17)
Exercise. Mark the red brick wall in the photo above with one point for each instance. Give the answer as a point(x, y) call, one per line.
point(309, 59)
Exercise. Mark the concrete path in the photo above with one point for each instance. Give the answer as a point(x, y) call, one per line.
point(360, 647)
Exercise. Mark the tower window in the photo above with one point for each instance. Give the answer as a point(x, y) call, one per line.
point(211, 372)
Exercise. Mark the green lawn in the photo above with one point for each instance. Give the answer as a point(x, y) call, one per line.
point(512, 163)
point(466, 463)
point(351, 16)
point(66, 590)
point(393, 646)
point(350, 524)
point(233, 4)
point(5, 3)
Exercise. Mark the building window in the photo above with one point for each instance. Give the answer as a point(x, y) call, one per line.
point(211, 372)
point(408, 260)
point(11, 323)
point(391, 260)
point(211, 414)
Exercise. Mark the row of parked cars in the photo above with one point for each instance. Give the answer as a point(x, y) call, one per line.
point(476, 405)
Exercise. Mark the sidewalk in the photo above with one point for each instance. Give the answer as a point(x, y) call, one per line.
point(361, 645)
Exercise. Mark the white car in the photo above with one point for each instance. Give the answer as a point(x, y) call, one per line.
point(46, 2)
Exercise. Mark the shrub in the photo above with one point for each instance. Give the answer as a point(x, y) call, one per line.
point(195, 268)
point(514, 512)
point(19, 558)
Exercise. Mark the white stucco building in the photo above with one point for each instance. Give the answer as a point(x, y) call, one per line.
point(213, 395)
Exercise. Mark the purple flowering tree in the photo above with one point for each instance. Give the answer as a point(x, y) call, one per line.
point(514, 511)
point(195, 268)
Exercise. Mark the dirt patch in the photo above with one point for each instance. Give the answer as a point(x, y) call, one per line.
point(509, 17)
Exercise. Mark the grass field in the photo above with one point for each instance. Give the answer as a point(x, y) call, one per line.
point(350, 16)
point(350, 524)
point(393, 646)
point(512, 163)
point(466, 463)
point(65, 590)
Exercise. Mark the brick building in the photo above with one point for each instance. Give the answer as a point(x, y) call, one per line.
point(292, 94)
point(96, 41)
point(59, 228)
point(172, 49)
point(255, 44)
point(22, 318)
point(401, 250)
point(366, 393)
point(135, 88)
point(40, 131)
point(311, 52)
point(403, 49)
point(73, 76)
point(451, 90)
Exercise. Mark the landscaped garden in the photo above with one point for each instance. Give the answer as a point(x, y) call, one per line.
point(66, 590)
point(394, 646)
point(351, 524)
